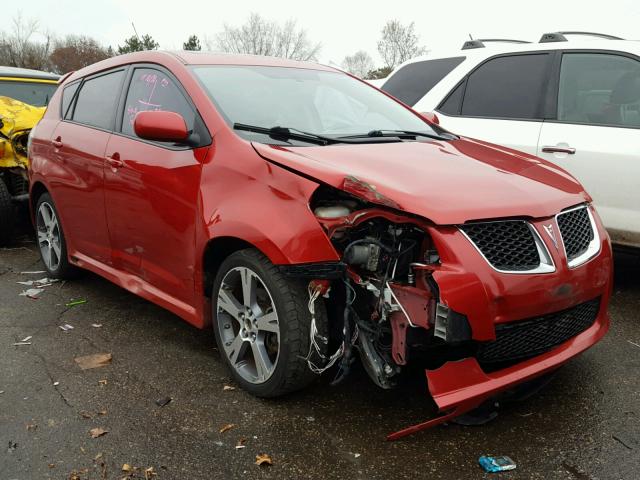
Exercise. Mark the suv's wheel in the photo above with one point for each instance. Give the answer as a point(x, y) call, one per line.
point(7, 214)
point(51, 241)
point(261, 322)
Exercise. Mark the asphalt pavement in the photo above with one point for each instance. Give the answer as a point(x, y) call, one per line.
point(584, 425)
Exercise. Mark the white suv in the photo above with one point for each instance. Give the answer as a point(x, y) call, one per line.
point(575, 103)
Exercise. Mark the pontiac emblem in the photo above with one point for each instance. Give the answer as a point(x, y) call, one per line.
point(551, 232)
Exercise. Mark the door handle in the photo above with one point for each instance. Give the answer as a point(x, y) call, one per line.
point(57, 143)
point(114, 161)
point(558, 149)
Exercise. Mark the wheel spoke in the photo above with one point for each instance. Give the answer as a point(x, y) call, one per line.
point(50, 254)
point(46, 215)
point(249, 287)
point(46, 254)
point(268, 322)
point(56, 249)
point(262, 361)
point(235, 350)
point(42, 237)
point(228, 302)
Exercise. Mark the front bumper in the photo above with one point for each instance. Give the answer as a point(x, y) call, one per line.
point(468, 285)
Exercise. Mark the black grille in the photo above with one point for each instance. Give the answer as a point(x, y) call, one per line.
point(528, 338)
point(576, 231)
point(507, 245)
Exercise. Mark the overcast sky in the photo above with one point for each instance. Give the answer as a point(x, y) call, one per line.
point(342, 27)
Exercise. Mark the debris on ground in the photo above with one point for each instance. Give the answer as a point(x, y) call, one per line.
point(31, 426)
point(161, 402)
point(227, 427)
point(93, 361)
point(43, 282)
point(35, 272)
point(17, 344)
point(66, 327)
point(241, 443)
point(149, 473)
point(32, 293)
point(101, 412)
point(12, 446)
point(492, 464)
point(73, 303)
point(97, 432)
point(26, 339)
point(357, 455)
point(85, 414)
point(228, 388)
point(127, 468)
point(96, 325)
point(633, 343)
point(263, 459)
point(55, 384)
point(102, 382)
point(625, 442)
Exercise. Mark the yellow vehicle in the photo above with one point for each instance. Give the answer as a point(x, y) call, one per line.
point(24, 95)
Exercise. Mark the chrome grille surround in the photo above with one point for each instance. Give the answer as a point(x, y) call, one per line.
point(574, 233)
point(545, 262)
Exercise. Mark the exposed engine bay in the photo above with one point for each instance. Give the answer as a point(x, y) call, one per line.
point(387, 258)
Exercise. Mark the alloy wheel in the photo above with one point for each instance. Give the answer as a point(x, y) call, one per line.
point(49, 238)
point(247, 322)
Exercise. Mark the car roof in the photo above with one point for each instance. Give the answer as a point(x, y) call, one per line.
point(27, 73)
point(497, 48)
point(185, 57)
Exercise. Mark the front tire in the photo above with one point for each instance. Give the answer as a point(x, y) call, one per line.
point(51, 240)
point(261, 323)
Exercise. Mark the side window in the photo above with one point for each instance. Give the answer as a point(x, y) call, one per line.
point(151, 89)
point(415, 80)
point(507, 87)
point(98, 100)
point(599, 88)
point(451, 105)
point(67, 96)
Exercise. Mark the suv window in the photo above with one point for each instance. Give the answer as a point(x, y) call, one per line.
point(507, 87)
point(415, 80)
point(152, 89)
point(98, 99)
point(67, 96)
point(599, 88)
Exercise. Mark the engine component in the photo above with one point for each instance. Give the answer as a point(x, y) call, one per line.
point(332, 211)
point(380, 370)
point(366, 255)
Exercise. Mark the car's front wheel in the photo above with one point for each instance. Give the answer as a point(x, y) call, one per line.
point(261, 321)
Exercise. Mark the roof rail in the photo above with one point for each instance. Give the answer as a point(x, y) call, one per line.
point(479, 43)
point(560, 36)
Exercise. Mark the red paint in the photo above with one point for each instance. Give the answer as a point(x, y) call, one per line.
point(142, 215)
point(160, 126)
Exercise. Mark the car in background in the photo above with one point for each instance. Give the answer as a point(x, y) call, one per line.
point(306, 215)
point(573, 99)
point(24, 95)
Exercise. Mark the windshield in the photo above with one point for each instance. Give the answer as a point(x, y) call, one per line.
point(320, 102)
point(33, 93)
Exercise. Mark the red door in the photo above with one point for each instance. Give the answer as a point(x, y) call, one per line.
point(151, 192)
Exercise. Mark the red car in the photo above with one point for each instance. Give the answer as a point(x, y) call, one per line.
point(309, 217)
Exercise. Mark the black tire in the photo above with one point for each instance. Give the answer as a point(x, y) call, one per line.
point(290, 298)
point(7, 214)
point(64, 270)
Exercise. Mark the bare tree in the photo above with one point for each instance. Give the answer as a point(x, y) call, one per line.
point(19, 49)
point(358, 64)
point(259, 36)
point(399, 43)
point(75, 52)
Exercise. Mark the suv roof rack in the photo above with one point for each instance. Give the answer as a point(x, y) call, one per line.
point(560, 36)
point(479, 43)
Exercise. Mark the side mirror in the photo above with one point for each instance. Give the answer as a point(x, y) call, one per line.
point(161, 126)
point(430, 117)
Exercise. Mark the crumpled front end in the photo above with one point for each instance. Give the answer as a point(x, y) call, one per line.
point(16, 121)
point(483, 306)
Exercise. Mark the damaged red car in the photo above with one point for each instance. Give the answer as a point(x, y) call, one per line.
point(311, 219)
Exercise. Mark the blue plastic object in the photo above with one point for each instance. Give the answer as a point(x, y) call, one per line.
point(496, 464)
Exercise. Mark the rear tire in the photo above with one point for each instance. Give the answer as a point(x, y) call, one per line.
point(51, 240)
point(259, 313)
point(7, 214)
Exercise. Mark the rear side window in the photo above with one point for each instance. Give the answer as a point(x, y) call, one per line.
point(152, 89)
point(67, 96)
point(98, 99)
point(451, 105)
point(507, 87)
point(599, 89)
point(415, 80)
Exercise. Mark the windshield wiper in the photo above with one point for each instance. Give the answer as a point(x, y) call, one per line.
point(402, 133)
point(284, 133)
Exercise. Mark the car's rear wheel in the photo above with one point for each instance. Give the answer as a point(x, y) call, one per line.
point(51, 240)
point(7, 214)
point(261, 322)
